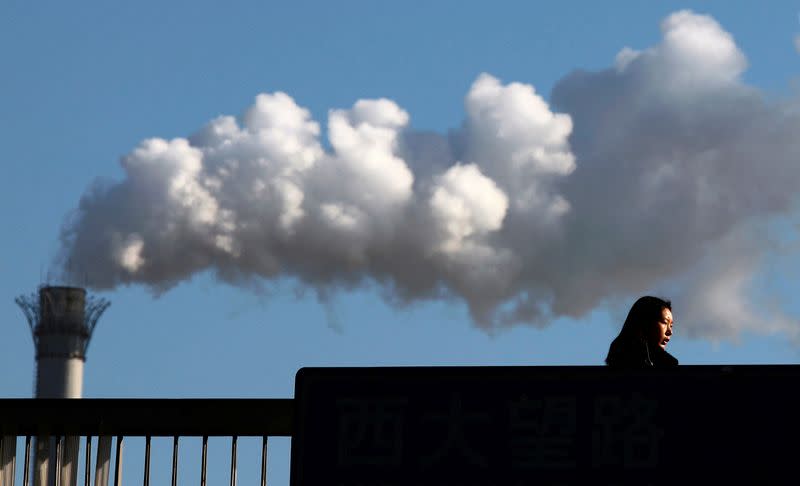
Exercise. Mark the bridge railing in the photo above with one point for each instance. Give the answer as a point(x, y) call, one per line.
point(52, 430)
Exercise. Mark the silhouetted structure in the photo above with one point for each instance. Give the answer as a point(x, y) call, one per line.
point(62, 320)
point(571, 425)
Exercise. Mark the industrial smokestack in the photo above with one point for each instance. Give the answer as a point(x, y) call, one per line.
point(62, 320)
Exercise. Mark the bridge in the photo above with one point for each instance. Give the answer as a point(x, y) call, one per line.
point(481, 426)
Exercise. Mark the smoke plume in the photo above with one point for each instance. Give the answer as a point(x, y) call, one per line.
point(652, 174)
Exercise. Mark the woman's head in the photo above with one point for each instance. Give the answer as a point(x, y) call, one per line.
point(650, 318)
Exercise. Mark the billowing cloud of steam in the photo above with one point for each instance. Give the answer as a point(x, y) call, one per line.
point(636, 177)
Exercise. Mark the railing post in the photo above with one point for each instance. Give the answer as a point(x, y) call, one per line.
point(8, 455)
point(27, 463)
point(41, 465)
point(59, 459)
point(233, 461)
point(204, 461)
point(69, 461)
point(103, 465)
point(118, 463)
point(264, 461)
point(88, 464)
point(146, 481)
point(175, 461)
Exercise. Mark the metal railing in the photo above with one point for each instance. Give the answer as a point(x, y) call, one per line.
point(52, 429)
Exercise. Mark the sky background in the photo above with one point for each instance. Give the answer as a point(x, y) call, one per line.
point(84, 83)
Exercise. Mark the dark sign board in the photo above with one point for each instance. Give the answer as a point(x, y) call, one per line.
point(520, 426)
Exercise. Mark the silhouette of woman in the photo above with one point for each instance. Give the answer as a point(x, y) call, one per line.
point(642, 342)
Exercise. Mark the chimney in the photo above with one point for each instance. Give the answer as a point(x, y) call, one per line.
point(62, 320)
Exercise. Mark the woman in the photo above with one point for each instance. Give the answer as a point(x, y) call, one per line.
point(642, 342)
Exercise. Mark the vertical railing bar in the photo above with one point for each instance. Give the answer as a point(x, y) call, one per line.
point(103, 464)
point(146, 481)
point(264, 462)
point(9, 453)
point(59, 452)
point(70, 453)
point(118, 462)
point(42, 464)
point(175, 461)
point(8, 450)
point(205, 458)
point(233, 461)
point(88, 466)
point(26, 472)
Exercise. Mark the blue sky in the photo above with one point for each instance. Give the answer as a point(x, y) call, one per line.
point(83, 84)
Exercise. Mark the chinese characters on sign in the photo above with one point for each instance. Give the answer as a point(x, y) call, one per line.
point(624, 433)
point(541, 432)
point(370, 431)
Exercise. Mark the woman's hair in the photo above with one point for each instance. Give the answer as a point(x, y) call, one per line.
point(645, 312)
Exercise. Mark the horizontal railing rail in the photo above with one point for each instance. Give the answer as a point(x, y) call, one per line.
point(148, 416)
point(52, 429)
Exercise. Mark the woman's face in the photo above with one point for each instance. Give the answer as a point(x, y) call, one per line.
point(662, 331)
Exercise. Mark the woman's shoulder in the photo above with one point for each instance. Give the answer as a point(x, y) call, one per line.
point(635, 354)
point(627, 354)
point(662, 359)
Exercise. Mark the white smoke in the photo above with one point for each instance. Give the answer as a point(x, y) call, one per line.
point(639, 175)
point(677, 159)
